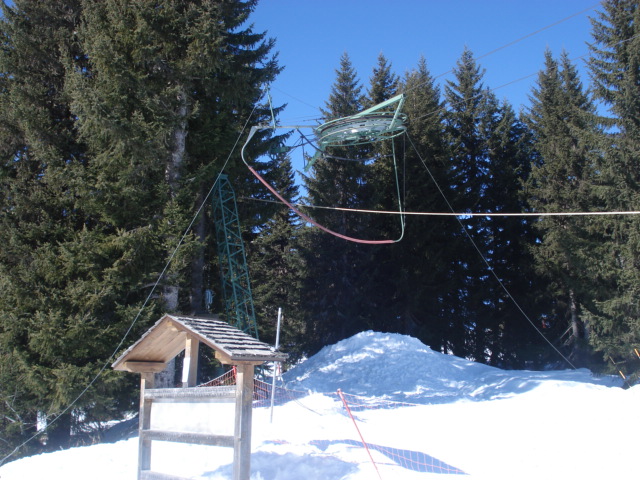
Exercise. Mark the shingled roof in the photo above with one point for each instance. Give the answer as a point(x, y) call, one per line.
point(167, 337)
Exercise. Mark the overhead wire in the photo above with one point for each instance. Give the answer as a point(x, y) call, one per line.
point(489, 53)
point(450, 214)
point(518, 40)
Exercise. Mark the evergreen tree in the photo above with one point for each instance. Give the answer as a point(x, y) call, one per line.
point(277, 270)
point(169, 77)
point(488, 163)
point(334, 276)
point(384, 171)
point(117, 119)
point(383, 83)
point(470, 111)
point(510, 340)
point(615, 71)
point(561, 181)
point(422, 278)
point(57, 307)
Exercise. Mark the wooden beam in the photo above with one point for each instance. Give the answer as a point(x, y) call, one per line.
point(190, 365)
point(148, 475)
point(242, 433)
point(144, 444)
point(144, 367)
point(198, 394)
point(189, 437)
point(229, 360)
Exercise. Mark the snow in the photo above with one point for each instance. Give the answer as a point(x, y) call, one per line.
point(458, 419)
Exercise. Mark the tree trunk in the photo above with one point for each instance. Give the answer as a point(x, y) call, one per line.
point(166, 378)
point(197, 266)
point(59, 433)
point(179, 144)
point(575, 320)
point(577, 333)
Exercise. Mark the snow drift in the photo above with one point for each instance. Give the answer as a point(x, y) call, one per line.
point(459, 420)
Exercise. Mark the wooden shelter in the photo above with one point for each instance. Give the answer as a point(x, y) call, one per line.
point(165, 340)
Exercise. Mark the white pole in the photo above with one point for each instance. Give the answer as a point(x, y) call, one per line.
point(275, 364)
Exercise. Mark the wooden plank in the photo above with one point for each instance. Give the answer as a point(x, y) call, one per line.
point(189, 437)
point(197, 394)
point(235, 360)
point(244, 402)
point(163, 342)
point(144, 367)
point(144, 445)
point(190, 365)
point(149, 475)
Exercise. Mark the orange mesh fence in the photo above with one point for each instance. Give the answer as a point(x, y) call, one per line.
point(409, 459)
point(261, 390)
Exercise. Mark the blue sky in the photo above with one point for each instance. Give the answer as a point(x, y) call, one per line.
point(311, 36)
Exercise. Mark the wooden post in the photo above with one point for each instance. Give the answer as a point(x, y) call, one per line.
point(144, 443)
point(242, 434)
point(190, 365)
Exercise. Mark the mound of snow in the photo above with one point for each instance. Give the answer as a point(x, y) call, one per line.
point(401, 368)
point(532, 425)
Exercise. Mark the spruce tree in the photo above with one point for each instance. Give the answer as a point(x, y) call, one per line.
point(422, 278)
point(58, 304)
point(117, 119)
point(510, 339)
point(488, 162)
point(562, 180)
point(277, 270)
point(469, 111)
point(334, 276)
point(384, 177)
point(615, 71)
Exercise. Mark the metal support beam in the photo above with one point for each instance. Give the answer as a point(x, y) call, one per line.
point(234, 272)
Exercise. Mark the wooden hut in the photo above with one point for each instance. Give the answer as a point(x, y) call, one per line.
point(165, 340)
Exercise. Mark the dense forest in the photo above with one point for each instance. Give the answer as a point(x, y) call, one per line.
point(116, 119)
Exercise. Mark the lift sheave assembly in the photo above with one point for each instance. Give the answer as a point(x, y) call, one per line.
point(384, 121)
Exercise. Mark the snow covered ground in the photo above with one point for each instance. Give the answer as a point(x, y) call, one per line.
point(458, 419)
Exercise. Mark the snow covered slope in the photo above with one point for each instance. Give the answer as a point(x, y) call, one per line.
point(467, 421)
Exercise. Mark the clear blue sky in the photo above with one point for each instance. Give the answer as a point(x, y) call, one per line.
point(311, 36)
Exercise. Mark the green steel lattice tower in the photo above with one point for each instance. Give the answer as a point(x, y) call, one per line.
point(234, 273)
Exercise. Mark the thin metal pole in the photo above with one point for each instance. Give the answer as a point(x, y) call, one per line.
point(275, 364)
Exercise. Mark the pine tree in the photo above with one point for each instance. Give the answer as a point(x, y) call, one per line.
point(277, 270)
point(132, 110)
point(488, 161)
point(562, 181)
point(615, 70)
point(422, 279)
point(334, 276)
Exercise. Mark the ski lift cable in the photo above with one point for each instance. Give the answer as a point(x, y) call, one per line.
point(453, 214)
point(491, 52)
point(490, 90)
